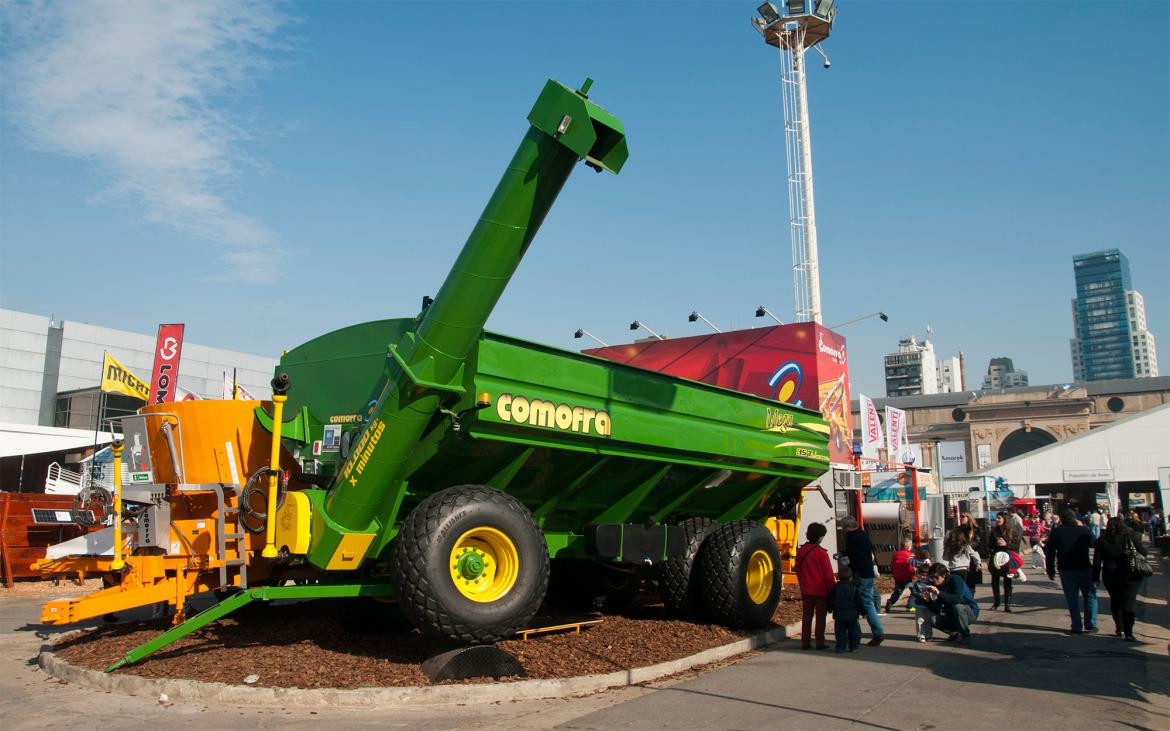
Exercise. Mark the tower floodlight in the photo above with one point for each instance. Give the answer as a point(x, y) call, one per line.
point(802, 25)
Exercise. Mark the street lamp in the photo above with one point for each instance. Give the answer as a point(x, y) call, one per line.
point(639, 324)
point(581, 332)
point(695, 317)
point(884, 317)
point(761, 311)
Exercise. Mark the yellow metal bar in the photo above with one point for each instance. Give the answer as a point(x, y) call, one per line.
point(270, 521)
point(576, 626)
point(117, 447)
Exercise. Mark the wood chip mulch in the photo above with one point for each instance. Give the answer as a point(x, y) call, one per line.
point(302, 645)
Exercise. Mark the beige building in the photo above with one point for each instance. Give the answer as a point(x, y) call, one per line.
point(966, 431)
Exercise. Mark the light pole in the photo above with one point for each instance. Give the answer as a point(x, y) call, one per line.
point(800, 26)
point(639, 324)
point(884, 318)
point(695, 317)
point(761, 311)
point(581, 332)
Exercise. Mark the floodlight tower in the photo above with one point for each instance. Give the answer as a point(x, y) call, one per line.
point(799, 27)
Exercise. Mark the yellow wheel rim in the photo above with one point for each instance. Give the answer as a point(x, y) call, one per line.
point(759, 577)
point(484, 564)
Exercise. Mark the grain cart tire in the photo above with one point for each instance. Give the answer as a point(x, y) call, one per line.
point(739, 568)
point(679, 582)
point(471, 565)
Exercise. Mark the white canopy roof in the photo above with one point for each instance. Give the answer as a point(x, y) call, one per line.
point(18, 439)
point(1128, 450)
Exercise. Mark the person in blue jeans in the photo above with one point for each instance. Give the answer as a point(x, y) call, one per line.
point(1067, 552)
point(846, 602)
point(859, 551)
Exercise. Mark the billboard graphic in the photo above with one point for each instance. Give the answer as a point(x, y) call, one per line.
point(803, 364)
point(165, 375)
point(952, 457)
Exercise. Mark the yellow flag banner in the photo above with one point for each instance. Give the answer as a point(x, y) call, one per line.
point(117, 378)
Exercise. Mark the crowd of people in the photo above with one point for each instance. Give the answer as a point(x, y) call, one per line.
point(1083, 550)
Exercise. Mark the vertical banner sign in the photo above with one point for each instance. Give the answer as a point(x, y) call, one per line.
point(896, 434)
point(871, 429)
point(165, 377)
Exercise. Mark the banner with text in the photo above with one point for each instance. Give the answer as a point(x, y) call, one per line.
point(871, 429)
point(165, 375)
point(952, 458)
point(897, 442)
point(117, 378)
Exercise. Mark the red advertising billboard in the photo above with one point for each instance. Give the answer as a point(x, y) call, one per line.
point(803, 364)
point(164, 378)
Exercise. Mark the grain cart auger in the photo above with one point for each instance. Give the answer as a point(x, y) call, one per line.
point(451, 469)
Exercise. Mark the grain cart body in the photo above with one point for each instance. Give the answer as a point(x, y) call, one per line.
point(432, 460)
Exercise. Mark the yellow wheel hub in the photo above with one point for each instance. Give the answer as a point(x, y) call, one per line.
point(484, 564)
point(759, 577)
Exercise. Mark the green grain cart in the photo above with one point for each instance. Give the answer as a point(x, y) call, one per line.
point(456, 469)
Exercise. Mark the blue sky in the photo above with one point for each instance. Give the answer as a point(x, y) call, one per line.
point(269, 173)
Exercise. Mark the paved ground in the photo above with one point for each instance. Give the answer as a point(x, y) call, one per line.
point(1020, 671)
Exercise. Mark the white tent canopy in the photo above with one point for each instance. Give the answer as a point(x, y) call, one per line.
point(18, 439)
point(1128, 450)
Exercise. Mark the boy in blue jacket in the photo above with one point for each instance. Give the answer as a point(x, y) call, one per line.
point(952, 603)
point(846, 602)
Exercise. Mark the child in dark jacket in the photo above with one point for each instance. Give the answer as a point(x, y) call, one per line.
point(845, 599)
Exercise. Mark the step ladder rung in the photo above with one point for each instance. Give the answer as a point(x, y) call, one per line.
point(234, 536)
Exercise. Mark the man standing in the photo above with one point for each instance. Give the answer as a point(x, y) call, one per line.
point(859, 551)
point(1067, 551)
point(952, 603)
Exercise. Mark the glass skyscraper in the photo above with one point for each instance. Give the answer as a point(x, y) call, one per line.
point(1101, 348)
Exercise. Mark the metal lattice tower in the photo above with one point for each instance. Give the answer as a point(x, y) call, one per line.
point(794, 33)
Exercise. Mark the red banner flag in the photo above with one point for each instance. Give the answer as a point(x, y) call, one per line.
point(165, 377)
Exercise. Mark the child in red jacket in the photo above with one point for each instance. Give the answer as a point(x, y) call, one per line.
point(814, 573)
point(902, 572)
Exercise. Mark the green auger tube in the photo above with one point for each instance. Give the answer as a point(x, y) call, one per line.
point(426, 367)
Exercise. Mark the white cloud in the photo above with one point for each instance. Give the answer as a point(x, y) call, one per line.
point(138, 89)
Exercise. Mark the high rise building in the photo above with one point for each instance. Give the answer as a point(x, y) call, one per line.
point(1145, 355)
point(915, 369)
point(1001, 373)
point(950, 374)
point(1110, 337)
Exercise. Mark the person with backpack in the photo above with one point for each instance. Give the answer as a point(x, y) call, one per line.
point(902, 571)
point(1112, 567)
point(814, 574)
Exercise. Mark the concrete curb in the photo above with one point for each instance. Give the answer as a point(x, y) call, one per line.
point(196, 690)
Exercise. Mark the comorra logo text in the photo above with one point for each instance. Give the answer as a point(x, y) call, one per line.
point(535, 412)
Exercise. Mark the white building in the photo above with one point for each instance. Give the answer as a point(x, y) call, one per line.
point(50, 371)
point(950, 374)
point(915, 369)
point(1145, 354)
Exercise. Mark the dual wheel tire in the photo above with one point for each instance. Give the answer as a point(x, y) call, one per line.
point(729, 572)
point(471, 565)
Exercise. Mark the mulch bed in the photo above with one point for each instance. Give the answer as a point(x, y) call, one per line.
point(303, 645)
point(51, 587)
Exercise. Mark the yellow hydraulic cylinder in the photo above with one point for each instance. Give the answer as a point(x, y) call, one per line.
point(117, 447)
point(269, 551)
